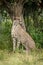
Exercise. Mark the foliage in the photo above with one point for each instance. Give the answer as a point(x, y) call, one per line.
point(5, 36)
point(34, 26)
point(33, 17)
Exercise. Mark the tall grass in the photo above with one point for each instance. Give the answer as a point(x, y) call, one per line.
point(5, 35)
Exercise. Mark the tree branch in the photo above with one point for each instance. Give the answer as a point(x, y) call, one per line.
point(19, 1)
point(8, 6)
point(7, 3)
point(22, 1)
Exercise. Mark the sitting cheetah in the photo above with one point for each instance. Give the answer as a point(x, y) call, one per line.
point(19, 34)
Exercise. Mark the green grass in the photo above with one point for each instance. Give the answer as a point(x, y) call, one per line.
point(10, 58)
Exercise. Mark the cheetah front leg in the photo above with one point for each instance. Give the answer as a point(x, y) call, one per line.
point(14, 44)
point(18, 43)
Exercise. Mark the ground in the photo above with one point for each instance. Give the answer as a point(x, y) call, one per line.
point(10, 58)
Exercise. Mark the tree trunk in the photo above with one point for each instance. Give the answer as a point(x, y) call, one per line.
point(17, 18)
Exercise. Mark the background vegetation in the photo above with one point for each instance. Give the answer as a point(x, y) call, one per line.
point(34, 25)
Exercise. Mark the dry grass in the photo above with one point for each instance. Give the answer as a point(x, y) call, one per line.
point(33, 58)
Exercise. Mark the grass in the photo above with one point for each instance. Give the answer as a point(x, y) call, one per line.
point(10, 58)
